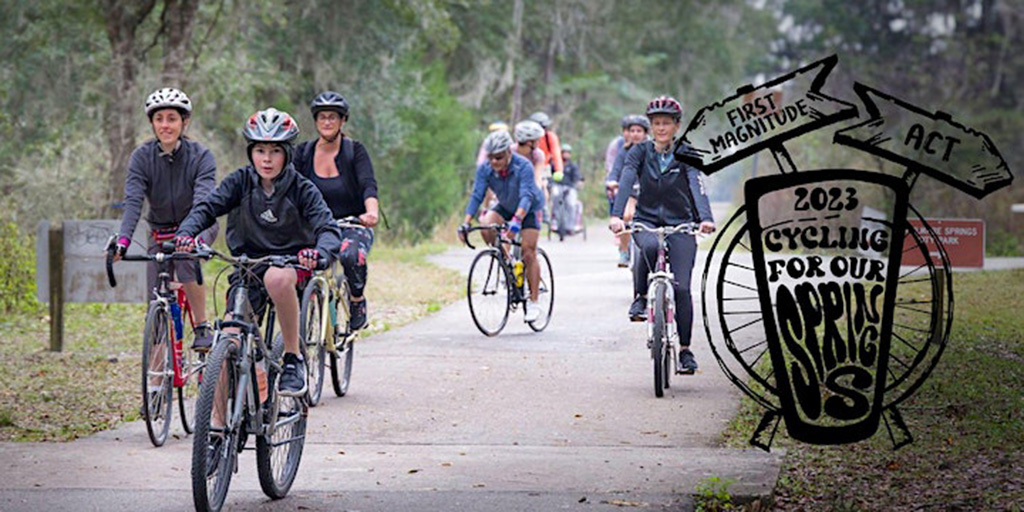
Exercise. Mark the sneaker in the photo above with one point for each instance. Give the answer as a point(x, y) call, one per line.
point(638, 310)
point(533, 310)
point(623, 259)
point(687, 363)
point(293, 378)
point(358, 315)
point(204, 337)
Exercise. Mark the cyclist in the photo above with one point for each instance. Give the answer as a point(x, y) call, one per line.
point(172, 173)
point(610, 152)
point(341, 169)
point(549, 144)
point(527, 134)
point(271, 209)
point(570, 178)
point(637, 129)
point(671, 193)
point(481, 154)
point(520, 203)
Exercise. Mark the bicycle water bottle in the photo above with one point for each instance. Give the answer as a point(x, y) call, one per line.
point(517, 271)
point(176, 316)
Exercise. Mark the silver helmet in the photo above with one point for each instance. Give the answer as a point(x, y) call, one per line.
point(528, 130)
point(168, 97)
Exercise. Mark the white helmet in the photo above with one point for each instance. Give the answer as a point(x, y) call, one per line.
point(497, 142)
point(528, 130)
point(168, 97)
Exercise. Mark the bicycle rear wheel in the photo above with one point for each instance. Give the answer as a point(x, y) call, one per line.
point(279, 450)
point(157, 374)
point(545, 291)
point(215, 445)
point(489, 292)
point(660, 339)
point(312, 336)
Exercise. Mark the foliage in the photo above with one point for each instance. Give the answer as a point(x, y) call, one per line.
point(17, 271)
point(712, 495)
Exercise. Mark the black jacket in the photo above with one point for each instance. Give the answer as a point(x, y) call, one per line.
point(666, 198)
point(355, 182)
point(294, 217)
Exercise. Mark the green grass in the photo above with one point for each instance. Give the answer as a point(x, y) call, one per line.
point(967, 420)
point(93, 384)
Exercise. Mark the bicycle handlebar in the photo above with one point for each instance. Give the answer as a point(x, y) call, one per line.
point(690, 228)
point(351, 221)
point(166, 254)
point(275, 260)
point(496, 227)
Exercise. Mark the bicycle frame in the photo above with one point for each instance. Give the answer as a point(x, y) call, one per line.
point(508, 257)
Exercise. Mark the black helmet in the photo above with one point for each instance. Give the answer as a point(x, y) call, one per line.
point(639, 120)
point(274, 126)
point(329, 100)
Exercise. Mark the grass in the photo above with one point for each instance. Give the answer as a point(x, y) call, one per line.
point(967, 420)
point(93, 384)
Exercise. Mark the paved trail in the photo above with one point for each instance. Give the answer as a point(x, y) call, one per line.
point(440, 417)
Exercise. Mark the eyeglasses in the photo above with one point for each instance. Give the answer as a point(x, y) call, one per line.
point(497, 156)
point(327, 117)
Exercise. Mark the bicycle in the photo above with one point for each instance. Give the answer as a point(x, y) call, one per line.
point(278, 422)
point(661, 333)
point(174, 368)
point(328, 287)
point(565, 216)
point(497, 283)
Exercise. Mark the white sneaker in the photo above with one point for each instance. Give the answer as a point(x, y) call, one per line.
point(533, 310)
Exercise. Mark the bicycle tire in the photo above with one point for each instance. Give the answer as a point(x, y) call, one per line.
point(156, 404)
point(210, 488)
point(343, 342)
point(279, 448)
point(546, 295)
point(312, 336)
point(659, 340)
point(192, 365)
point(489, 276)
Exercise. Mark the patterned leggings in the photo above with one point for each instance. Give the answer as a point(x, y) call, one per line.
point(355, 247)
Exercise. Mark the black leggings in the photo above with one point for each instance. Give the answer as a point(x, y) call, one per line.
point(682, 253)
point(355, 247)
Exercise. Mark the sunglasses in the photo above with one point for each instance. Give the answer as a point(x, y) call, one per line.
point(497, 156)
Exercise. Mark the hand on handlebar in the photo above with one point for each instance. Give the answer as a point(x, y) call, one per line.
point(310, 258)
point(462, 231)
point(184, 243)
point(368, 219)
point(707, 227)
point(121, 247)
point(616, 225)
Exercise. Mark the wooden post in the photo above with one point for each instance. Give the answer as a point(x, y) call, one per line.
point(56, 258)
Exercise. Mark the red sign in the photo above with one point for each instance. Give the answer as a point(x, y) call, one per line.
point(963, 239)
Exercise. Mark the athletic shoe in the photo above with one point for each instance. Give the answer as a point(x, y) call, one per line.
point(687, 363)
point(293, 378)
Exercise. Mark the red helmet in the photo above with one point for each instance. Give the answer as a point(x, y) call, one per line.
point(665, 105)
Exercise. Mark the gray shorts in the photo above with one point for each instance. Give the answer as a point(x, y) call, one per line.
point(184, 271)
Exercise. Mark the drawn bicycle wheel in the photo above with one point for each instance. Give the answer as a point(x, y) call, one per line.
point(733, 319)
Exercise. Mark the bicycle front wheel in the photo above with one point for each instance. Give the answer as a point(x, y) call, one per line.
point(312, 335)
point(545, 291)
point(156, 374)
point(192, 364)
point(489, 292)
point(659, 341)
point(279, 450)
point(215, 445)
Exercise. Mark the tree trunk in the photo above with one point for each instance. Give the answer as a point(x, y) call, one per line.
point(122, 20)
point(515, 52)
point(179, 16)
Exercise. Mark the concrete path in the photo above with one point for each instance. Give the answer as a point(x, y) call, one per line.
point(440, 417)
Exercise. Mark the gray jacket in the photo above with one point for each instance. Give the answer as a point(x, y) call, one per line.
point(172, 184)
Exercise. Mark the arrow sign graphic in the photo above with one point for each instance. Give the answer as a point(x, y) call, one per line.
point(755, 118)
point(930, 143)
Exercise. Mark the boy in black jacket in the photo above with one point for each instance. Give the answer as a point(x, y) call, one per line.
point(271, 210)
